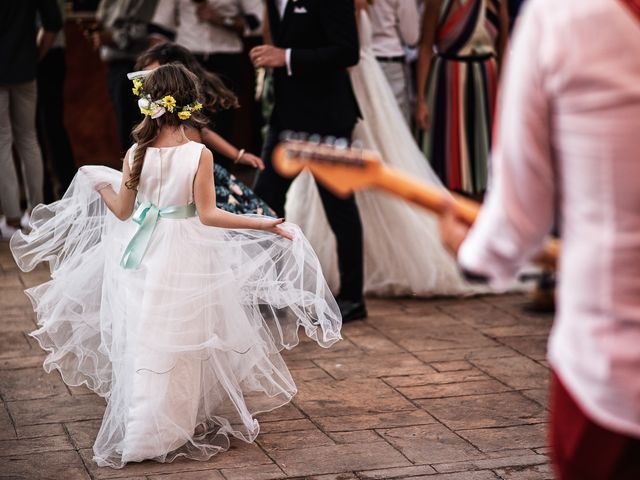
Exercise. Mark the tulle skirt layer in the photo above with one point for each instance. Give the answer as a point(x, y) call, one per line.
point(185, 348)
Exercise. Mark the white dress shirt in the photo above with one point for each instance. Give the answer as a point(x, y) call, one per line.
point(396, 24)
point(569, 134)
point(180, 16)
point(282, 7)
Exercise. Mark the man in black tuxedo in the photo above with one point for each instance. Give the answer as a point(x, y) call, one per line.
point(313, 42)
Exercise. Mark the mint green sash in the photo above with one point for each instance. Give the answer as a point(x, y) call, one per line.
point(146, 216)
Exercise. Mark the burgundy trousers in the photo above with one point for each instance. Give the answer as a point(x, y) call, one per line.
point(583, 450)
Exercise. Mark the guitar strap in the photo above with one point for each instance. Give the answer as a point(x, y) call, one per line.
point(633, 6)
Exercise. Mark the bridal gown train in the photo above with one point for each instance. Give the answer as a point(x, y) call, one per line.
point(402, 248)
point(185, 347)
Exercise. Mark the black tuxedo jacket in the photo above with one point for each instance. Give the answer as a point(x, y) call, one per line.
point(322, 35)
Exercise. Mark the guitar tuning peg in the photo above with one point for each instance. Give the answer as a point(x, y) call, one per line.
point(329, 141)
point(357, 145)
point(286, 136)
point(315, 139)
point(302, 136)
point(341, 144)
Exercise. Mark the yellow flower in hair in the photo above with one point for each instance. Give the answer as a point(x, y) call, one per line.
point(137, 86)
point(196, 106)
point(184, 115)
point(169, 102)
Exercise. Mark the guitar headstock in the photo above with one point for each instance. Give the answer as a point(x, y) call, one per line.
point(340, 167)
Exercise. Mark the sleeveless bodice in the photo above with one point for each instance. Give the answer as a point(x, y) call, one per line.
point(168, 173)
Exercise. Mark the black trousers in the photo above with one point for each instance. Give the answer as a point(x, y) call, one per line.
point(124, 101)
point(52, 134)
point(228, 66)
point(342, 214)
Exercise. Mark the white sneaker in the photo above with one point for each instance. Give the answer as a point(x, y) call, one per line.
point(6, 231)
point(25, 221)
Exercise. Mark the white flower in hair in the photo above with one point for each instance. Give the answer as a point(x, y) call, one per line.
point(150, 108)
point(144, 104)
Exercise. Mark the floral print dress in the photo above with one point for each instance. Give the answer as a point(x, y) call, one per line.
point(234, 196)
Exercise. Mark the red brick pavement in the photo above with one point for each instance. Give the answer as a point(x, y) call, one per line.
point(423, 390)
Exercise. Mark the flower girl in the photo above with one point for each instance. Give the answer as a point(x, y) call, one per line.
point(171, 309)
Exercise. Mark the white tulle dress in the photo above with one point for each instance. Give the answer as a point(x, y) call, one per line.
point(185, 347)
point(403, 252)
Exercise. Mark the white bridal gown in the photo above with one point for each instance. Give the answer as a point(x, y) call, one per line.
point(187, 342)
point(402, 249)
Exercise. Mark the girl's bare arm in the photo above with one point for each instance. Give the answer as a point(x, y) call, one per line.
point(121, 204)
point(205, 197)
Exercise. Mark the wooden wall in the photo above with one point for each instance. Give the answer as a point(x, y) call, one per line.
point(89, 116)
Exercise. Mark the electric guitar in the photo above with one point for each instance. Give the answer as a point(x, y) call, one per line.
point(344, 170)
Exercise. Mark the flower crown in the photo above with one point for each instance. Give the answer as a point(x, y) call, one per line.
point(157, 108)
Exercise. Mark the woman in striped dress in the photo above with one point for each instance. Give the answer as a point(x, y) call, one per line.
point(461, 47)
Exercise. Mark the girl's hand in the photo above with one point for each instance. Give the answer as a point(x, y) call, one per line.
point(251, 160)
point(95, 179)
point(272, 225)
point(453, 230)
point(101, 186)
point(422, 115)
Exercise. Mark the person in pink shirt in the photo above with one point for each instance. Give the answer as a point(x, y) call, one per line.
point(567, 144)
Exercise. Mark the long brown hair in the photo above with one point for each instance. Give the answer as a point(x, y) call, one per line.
point(184, 87)
point(216, 96)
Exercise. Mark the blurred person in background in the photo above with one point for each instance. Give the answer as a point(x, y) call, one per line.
point(395, 25)
point(213, 31)
point(22, 45)
point(54, 140)
point(310, 45)
point(567, 145)
point(461, 48)
point(122, 34)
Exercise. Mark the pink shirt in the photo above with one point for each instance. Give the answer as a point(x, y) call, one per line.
point(569, 135)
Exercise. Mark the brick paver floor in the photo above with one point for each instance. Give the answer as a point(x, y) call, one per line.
point(425, 389)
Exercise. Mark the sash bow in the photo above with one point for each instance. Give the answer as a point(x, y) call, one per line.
point(146, 216)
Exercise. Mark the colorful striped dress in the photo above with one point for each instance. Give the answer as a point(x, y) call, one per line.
point(461, 94)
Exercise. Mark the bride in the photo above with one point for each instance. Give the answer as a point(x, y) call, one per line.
point(402, 249)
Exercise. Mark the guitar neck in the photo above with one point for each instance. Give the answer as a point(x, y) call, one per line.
point(345, 171)
point(435, 199)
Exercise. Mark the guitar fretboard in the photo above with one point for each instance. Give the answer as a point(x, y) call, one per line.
point(347, 157)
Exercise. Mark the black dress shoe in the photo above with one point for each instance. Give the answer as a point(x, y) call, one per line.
point(543, 299)
point(352, 310)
